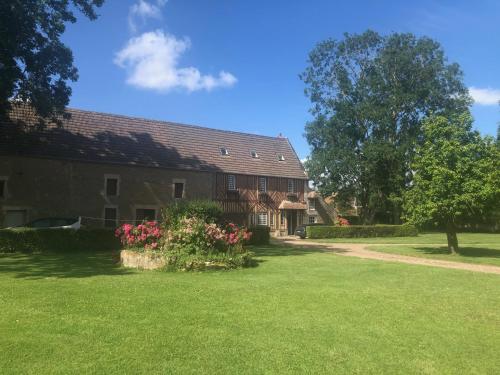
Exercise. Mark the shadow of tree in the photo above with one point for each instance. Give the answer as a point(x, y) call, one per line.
point(277, 249)
point(59, 265)
point(89, 137)
point(473, 252)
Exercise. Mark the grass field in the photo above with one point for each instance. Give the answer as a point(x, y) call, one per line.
point(298, 311)
point(479, 248)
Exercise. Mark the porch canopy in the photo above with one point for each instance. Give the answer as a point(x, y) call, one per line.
point(289, 205)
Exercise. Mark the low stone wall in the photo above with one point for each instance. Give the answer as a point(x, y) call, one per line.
point(146, 261)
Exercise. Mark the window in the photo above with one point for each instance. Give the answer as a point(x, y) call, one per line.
point(145, 214)
point(262, 218)
point(3, 188)
point(15, 217)
point(271, 219)
point(224, 151)
point(254, 154)
point(110, 216)
point(281, 157)
point(231, 182)
point(111, 185)
point(312, 204)
point(282, 218)
point(262, 184)
point(291, 186)
point(312, 219)
point(178, 190)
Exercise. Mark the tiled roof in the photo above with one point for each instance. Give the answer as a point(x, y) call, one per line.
point(288, 205)
point(99, 137)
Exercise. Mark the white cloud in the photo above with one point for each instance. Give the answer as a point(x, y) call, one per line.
point(151, 61)
point(486, 96)
point(142, 10)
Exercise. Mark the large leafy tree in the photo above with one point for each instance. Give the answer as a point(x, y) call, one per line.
point(35, 66)
point(370, 94)
point(456, 176)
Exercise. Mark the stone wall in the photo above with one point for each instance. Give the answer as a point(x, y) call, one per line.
point(48, 188)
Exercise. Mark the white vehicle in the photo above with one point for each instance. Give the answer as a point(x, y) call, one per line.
point(55, 223)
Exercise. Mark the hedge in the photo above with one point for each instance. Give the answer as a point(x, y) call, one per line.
point(353, 231)
point(260, 235)
point(57, 240)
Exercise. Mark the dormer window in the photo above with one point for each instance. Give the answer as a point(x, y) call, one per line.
point(281, 157)
point(224, 151)
point(254, 154)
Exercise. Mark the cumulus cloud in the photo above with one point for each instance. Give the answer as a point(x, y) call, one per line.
point(142, 11)
point(486, 96)
point(152, 60)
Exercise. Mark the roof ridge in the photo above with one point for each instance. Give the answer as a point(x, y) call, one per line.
point(173, 123)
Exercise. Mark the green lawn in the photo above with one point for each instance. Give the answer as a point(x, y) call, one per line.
point(425, 238)
point(477, 248)
point(298, 311)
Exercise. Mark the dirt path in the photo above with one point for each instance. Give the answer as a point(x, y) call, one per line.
point(360, 251)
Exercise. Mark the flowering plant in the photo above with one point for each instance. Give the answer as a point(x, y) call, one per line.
point(147, 235)
point(342, 222)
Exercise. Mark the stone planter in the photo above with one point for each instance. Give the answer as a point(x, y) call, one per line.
point(146, 260)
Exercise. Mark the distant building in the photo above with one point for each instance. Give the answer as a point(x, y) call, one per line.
point(110, 168)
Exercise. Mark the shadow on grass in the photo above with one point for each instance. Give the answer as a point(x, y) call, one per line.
point(287, 250)
point(61, 265)
point(472, 252)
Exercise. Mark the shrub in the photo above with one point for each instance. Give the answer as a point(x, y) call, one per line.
point(193, 244)
point(57, 240)
point(260, 235)
point(145, 235)
point(208, 211)
point(354, 231)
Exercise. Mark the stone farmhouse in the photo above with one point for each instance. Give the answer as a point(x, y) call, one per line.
point(110, 169)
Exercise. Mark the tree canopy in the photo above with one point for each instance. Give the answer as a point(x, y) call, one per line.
point(456, 176)
point(35, 66)
point(370, 94)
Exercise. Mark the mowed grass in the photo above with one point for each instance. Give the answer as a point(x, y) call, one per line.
point(478, 248)
point(298, 311)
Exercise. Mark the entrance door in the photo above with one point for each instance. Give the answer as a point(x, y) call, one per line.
point(291, 218)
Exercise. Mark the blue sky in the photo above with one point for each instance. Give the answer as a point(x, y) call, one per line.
point(234, 64)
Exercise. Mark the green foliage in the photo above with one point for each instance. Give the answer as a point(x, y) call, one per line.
point(260, 235)
point(208, 211)
point(369, 95)
point(180, 260)
point(457, 175)
point(57, 240)
point(35, 64)
point(356, 231)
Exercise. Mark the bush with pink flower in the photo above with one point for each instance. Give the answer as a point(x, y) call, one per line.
point(192, 241)
point(146, 235)
point(342, 222)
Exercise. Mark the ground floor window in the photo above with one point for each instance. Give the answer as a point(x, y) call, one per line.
point(110, 217)
point(312, 219)
point(262, 218)
point(282, 218)
point(142, 214)
point(271, 219)
point(15, 218)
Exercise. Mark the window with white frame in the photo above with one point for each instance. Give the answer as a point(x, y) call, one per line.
point(178, 188)
point(291, 185)
point(231, 182)
point(262, 218)
point(262, 184)
point(312, 219)
point(312, 204)
point(110, 217)
point(145, 214)
point(112, 185)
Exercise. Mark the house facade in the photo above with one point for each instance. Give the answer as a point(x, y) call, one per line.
point(110, 169)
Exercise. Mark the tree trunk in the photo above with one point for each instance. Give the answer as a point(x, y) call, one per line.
point(451, 235)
